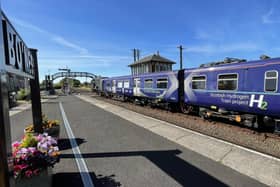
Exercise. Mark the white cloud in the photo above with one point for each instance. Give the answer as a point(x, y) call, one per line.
point(270, 17)
point(56, 38)
point(64, 42)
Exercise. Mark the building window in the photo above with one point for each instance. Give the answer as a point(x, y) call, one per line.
point(126, 84)
point(271, 81)
point(162, 83)
point(199, 82)
point(227, 82)
point(148, 83)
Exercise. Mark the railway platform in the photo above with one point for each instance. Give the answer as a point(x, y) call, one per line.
point(106, 145)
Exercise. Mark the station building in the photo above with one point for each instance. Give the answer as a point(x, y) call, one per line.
point(150, 64)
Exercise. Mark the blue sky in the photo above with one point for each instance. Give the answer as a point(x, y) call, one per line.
point(97, 36)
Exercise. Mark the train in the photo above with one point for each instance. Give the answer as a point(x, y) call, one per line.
point(243, 91)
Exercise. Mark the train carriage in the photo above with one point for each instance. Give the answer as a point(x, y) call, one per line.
point(249, 90)
point(120, 87)
point(159, 87)
point(241, 91)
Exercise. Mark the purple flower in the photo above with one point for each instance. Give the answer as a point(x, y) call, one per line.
point(31, 149)
point(23, 151)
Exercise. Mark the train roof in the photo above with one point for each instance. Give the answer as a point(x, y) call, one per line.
point(237, 64)
point(142, 75)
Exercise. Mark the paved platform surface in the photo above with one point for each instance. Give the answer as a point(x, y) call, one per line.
point(257, 165)
point(119, 153)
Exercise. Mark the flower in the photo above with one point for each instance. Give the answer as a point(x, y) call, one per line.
point(46, 124)
point(28, 173)
point(34, 154)
point(16, 144)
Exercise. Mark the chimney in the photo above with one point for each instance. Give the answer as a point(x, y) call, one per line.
point(138, 54)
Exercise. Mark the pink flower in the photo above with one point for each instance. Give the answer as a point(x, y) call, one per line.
point(28, 173)
point(36, 172)
point(16, 144)
point(20, 167)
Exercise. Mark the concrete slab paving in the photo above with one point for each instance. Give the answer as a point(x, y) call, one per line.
point(205, 146)
point(256, 165)
point(169, 132)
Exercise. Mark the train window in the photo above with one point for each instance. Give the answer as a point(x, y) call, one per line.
point(148, 83)
point(120, 84)
point(199, 82)
point(271, 81)
point(126, 84)
point(227, 82)
point(136, 83)
point(162, 83)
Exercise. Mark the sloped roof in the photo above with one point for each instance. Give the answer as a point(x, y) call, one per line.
point(153, 58)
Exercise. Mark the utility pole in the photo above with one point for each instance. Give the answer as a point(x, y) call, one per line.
point(181, 56)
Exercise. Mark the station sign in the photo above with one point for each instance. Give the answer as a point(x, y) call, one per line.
point(18, 58)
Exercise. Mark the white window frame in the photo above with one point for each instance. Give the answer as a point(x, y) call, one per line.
point(237, 78)
point(126, 83)
point(265, 77)
point(162, 81)
point(119, 84)
point(147, 80)
point(199, 81)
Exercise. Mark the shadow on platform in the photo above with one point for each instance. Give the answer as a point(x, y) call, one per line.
point(65, 144)
point(168, 161)
point(75, 180)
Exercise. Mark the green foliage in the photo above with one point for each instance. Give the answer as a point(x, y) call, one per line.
point(29, 141)
point(76, 83)
point(86, 84)
point(72, 82)
point(23, 95)
point(57, 86)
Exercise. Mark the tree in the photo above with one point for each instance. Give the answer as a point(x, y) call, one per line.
point(76, 83)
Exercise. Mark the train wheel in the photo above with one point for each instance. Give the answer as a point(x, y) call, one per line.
point(186, 109)
point(173, 107)
point(260, 123)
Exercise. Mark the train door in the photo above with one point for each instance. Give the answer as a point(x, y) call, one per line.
point(136, 87)
point(114, 86)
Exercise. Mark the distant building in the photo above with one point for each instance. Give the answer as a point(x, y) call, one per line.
point(152, 63)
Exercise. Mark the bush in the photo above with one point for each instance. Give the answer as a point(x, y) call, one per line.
point(57, 86)
point(23, 95)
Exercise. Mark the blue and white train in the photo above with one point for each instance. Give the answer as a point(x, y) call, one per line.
point(246, 92)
